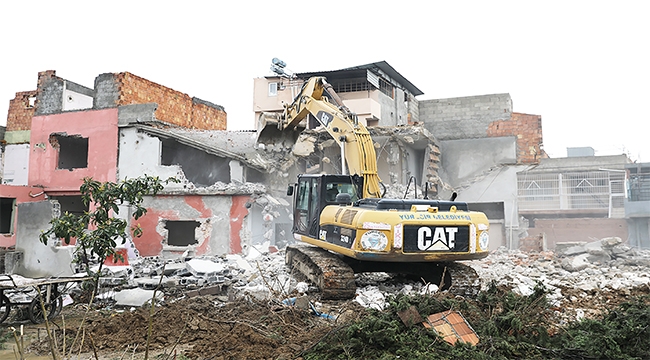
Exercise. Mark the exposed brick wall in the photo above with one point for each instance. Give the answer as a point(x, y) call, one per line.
point(173, 106)
point(532, 243)
point(528, 130)
point(19, 116)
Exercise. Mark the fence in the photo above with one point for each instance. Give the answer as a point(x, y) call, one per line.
point(590, 190)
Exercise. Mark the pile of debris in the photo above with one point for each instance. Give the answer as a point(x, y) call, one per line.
point(574, 275)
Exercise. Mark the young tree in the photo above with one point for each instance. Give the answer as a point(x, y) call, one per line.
point(98, 231)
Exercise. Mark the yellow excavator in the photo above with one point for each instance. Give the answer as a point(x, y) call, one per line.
point(343, 224)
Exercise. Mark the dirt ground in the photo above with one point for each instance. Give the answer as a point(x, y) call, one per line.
point(205, 327)
point(199, 327)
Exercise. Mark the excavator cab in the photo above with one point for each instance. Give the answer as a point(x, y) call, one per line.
point(315, 191)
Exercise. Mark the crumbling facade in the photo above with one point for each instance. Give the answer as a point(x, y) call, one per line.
point(63, 132)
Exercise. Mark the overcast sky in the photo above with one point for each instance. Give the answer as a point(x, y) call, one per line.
point(584, 66)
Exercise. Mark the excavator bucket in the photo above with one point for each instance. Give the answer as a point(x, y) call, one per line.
point(270, 131)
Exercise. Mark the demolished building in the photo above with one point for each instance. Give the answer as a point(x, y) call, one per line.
point(227, 181)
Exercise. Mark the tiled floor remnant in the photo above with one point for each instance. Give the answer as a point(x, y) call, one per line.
point(452, 326)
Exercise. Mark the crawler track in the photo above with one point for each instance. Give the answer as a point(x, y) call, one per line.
point(333, 277)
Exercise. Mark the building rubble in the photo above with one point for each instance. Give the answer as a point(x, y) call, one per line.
point(576, 273)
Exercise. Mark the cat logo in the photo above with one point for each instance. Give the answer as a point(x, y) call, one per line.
point(436, 239)
point(324, 117)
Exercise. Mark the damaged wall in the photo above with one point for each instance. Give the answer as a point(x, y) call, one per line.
point(140, 154)
point(222, 225)
point(528, 130)
point(16, 164)
point(21, 110)
point(47, 161)
point(39, 260)
point(174, 107)
point(582, 229)
point(462, 160)
point(56, 95)
point(11, 196)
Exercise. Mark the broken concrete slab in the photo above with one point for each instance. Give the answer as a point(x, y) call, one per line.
point(576, 263)
point(136, 297)
point(569, 248)
point(204, 267)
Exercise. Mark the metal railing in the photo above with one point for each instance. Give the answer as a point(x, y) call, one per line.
point(591, 190)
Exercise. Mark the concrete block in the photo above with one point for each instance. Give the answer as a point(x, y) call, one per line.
point(204, 268)
point(152, 283)
point(576, 263)
point(611, 241)
point(211, 290)
point(595, 248)
point(569, 248)
point(174, 268)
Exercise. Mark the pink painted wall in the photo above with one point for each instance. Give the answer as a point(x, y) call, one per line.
point(22, 195)
point(238, 212)
point(151, 241)
point(99, 126)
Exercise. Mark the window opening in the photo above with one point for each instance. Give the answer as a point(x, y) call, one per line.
point(73, 151)
point(6, 215)
point(386, 88)
point(199, 167)
point(351, 85)
point(71, 204)
point(181, 233)
point(273, 89)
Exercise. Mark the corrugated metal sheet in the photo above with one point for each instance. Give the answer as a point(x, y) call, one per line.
point(372, 78)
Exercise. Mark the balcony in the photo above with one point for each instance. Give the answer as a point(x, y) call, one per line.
point(586, 193)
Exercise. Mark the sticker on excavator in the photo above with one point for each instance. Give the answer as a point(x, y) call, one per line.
point(436, 238)
point(337, 235)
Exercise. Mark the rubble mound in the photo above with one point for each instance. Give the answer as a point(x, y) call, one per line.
point(203, 326)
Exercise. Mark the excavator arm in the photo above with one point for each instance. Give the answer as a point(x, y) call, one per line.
point(317, 98)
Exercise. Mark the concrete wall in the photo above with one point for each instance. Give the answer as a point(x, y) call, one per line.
point(584, 229)
point(174, 107)
point(224, 227)
point(99, 126)
point(55, 95)
point(38, 259)
point(496, 186)
point(16, 165)
point(462, 160)
point(140, 154)
point(639, 232)
point(21, 194)
point(393, 110)
point(464, 117)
